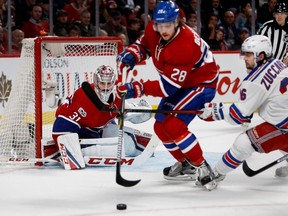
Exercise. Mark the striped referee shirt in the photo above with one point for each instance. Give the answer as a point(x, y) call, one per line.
point(276, 34)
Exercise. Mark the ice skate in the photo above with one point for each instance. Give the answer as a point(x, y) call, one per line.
point(182, 171)
point(205, 177)
point(218, 177)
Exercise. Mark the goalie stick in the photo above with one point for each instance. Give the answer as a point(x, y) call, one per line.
point(119, 179)
point(249, 172)
point(155, 111)
point(12, 160)
point(93, 161)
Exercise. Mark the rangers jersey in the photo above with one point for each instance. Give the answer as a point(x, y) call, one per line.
point(266, 89)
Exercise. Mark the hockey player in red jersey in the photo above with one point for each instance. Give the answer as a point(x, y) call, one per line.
point(81, 113)
point(188, 79)
point(265, 89)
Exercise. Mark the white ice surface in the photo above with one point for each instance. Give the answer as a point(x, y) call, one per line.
point(52, 191)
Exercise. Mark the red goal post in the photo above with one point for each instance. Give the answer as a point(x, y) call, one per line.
point(50, 69)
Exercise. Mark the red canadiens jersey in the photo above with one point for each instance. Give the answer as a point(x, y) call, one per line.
point(80, 109)
point(183, 62)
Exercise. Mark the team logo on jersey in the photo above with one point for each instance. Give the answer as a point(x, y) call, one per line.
point(82, 112)
point(158, 50)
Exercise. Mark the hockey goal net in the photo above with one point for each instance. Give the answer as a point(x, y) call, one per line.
point(50, 69)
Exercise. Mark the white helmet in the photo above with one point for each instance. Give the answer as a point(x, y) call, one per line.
point(257, 44)
point(104, 74)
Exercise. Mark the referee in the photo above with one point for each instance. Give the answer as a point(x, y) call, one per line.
point(277, 31)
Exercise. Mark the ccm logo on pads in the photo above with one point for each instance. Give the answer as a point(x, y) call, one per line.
point(109, 161)
point(63, 153)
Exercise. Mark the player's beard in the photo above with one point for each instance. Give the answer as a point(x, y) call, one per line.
point(250, 66)
point(166, 37)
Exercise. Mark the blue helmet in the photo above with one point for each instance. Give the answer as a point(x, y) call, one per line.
point(166, 11)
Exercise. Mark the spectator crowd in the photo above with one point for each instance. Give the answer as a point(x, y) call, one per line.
point(224, 24)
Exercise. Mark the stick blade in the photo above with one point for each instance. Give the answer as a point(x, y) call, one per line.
point(247, 170)
point(124, 182)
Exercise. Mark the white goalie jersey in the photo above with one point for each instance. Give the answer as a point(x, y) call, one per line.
point(265, 89)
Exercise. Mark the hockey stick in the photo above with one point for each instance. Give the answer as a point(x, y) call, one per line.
point(100, 106)
point(155, 111)
point(119, 179)
point(249, 172)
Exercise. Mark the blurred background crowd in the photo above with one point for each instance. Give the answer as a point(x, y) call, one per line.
point(223, 24)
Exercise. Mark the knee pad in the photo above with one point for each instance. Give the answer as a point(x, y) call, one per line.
point(170, 129)
point(130, 146)
point(101, 151)
point(242, 148)
point(160, 132)
point(111, 130)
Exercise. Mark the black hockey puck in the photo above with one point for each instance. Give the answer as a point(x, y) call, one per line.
point(121, 206)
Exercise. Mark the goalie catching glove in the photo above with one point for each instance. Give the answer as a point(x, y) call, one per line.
point(132, 90)
point(137, 118)
point(212, 112)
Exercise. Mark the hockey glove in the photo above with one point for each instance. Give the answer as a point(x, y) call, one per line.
point(212, 112)
point(132, 90)
point(125, 59)
point(128, 58)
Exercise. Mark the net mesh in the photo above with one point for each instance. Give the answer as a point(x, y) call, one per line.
point(64, 66)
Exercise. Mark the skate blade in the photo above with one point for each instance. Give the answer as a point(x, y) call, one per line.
point(181, 178)
point(209, 186)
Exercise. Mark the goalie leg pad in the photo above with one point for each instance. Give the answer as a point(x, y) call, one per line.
point(135, 141)
point(110, 149)
point(98, 150)
point(70, 151)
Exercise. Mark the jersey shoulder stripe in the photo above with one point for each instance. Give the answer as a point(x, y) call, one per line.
point(256, 72)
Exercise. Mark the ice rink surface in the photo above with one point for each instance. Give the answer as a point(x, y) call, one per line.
point(52, 191)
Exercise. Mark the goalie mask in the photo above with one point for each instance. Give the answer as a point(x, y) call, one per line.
point(104, 81)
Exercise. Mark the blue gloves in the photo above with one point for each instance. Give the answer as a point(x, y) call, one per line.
point(125, 59)
point(132, 90)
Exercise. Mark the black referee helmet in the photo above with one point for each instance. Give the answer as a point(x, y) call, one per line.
point(280, 7)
